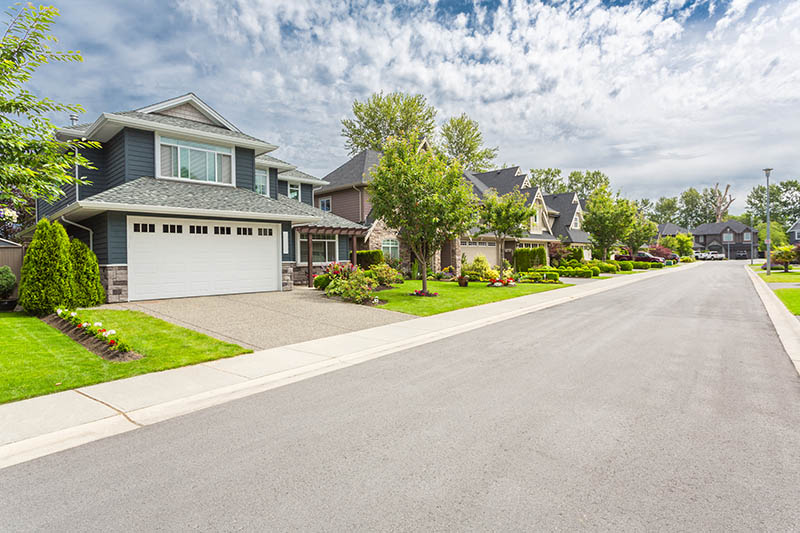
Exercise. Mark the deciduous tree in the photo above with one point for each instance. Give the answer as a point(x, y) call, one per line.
point(607, 218)
point(585, 183)
point(505, 216)
point(424, 196)
point(549, 180)
point(462, 140)
point(639, 232)
point(666, 210)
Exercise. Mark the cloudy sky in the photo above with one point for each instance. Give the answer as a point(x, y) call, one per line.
point(659, 95)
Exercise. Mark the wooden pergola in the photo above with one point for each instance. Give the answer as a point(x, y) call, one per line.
point(310, 231)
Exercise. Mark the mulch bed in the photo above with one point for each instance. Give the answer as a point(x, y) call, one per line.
point(90, 342)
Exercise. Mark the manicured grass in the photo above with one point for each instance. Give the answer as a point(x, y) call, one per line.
point(452, 297)
point(790, 298)
point(37, 359)
point(779, 276)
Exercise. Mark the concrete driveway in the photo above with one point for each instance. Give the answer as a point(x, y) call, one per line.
point(266, 319)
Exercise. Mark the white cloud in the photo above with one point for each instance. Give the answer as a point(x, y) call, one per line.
point(659, 95)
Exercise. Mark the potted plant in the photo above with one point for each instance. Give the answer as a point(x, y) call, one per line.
point(463, 280)
point(7, 283)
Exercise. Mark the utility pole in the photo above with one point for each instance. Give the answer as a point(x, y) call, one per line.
point(768, 241)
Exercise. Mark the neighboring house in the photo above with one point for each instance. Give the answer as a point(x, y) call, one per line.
point(727, 237)
point(5, 243)
point(566, 212)
point(794, 233)
point(183, 203)
point(670, 230)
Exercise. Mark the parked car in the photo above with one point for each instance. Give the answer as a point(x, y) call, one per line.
point(640, 256)
point(716, 256)
point(674, 257)
point(701, 256)
point(741, 254)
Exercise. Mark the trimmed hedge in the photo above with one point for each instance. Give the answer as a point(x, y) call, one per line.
point(595, 271)
point(366, 258)
point(87, 291)
point(322, 281)
point(641, 265)
point(527, 258)
point(656, 265)
point(46, 277)
point(625, 266)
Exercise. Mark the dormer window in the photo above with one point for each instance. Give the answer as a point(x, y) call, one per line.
point(195, 161)
point(294, 191)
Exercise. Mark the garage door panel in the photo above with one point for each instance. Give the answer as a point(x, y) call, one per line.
point(167, 265)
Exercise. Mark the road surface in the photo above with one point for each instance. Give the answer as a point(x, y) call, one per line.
point(667, 404)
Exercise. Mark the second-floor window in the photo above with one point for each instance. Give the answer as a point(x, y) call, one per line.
point(195, 161)
point(294, 191)
point(747, 236)
point(325, 203)
point(727, 237)
point(262, 182)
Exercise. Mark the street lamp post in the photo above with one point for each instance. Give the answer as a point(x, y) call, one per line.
point(768, 242)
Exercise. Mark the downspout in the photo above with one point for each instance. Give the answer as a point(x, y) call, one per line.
point(91, 233)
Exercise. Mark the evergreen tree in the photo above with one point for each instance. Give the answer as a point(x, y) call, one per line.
point(87, 291)
point(46, 277)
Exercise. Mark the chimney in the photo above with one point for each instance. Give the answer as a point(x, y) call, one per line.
point(73, 118)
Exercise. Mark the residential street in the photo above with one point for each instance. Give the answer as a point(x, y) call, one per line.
point(667, 404)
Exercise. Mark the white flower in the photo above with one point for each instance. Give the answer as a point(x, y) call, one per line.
point(73, 314)
point(86, 324)
point(98, 324)
point(59, 311)
point(111, 332)
point(105, 334)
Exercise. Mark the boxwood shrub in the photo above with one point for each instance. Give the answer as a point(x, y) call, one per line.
point(322, 281)
point(7, 282)
point(625, 266)
point(656, 265)
point(367, 258)
point(595, 271)
point(641, 265)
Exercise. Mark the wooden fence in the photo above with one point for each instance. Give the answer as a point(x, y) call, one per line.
point(12, 256)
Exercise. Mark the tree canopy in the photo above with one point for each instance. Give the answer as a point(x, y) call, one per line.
point(505, 216)
point(666, 210)
point(382, 116)
point(33, 163)
point(607, 218)
point(462, 140)
point(549, 180)
point(586, 182)
point(784, 200)
point(639, 232)
point(423, 195)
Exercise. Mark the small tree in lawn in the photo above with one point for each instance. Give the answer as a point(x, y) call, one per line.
point(46, 277)
point(423, 196)
point(640, 232)
point(784, 255)
point(505, 216)
point(557, 251)
point(87, 291)
point(607, 218)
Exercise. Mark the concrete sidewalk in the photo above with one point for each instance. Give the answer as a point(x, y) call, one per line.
point(47, 424)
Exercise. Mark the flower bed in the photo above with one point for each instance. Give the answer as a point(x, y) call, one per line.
point(102, 341)
point(423, 293)
point(501, 282)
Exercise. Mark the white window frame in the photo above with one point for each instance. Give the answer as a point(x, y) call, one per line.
point(316, 238)
point(727, 237)
point(392, 243)
point(330, 203)
point(289, 186)
point(266, 192)
point(748, 236)
point(158, 161)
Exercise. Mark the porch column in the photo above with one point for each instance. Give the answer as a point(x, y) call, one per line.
point(310, 262)
point(353, 249)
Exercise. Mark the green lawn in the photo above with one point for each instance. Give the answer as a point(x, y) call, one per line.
point(778, 275)
point(790, 298)
point(37, 359)
point(452, 297)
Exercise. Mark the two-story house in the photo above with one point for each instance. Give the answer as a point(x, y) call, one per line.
point(794, 233)
point(732, 238)
point(183, 203)
point(670, 230)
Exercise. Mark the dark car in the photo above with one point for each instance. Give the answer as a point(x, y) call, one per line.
point(741, 254)
point(640, 256)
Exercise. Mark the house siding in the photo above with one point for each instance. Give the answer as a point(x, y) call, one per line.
point(273, 182)
point(117, 238)
point(344, 203)
point(289, 254)
point(344, 248)
point(97, 175)
point(140, 154)
point(283, 188)
point(46, 209)
point(245, 168)
point(307, 193)
point(115, 160)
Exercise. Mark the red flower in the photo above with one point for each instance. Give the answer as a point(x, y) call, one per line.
point(101, 330)
point(112, 342)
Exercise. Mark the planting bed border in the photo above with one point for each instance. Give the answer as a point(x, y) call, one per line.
point(90, 342)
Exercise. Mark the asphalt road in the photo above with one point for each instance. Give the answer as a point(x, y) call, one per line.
point(668, 404)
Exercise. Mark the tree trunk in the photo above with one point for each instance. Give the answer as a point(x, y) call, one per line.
point(500, 252)
point(605, 254)
point(424, 270)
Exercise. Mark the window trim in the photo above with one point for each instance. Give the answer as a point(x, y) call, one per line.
point(300, 242)
point(747, 236)
point(727, 236)
point(184, 180)
point(330, 203)
point(393, 243)
point(254, 181)
point(289, 185)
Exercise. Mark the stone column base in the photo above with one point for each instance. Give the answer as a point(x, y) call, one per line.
point(287, 277)
point(114, 279)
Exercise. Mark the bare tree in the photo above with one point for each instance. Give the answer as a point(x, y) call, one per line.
point(722, 201)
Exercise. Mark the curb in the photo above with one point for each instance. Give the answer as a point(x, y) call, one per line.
point(41, 445)
point(784, 322)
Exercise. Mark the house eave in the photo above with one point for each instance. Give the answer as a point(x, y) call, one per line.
point(190, 211)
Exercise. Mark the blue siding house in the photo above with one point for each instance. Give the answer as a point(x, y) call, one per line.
point(182, 203)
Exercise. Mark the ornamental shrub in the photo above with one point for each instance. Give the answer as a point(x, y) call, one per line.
point(322, 281)
point(552, 276)
point(687, 259)
point(367, 258)
point(641, 265)
point(595, 271)
point(339, 270)
point(46, 278)
point(386, 275)
point(87, 291)
point(625, 266)
point(527, 258)
point(357, 288)
point(656, 265)
point(490, 274)
point(575, 254)
point(7, 282)
point(471, 275)
point(480, 265)
point(608, 268)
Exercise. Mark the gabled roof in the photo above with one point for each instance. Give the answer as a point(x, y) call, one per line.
point(270, 161)
point(670, 229)
point(715, 228)
point(194, 101)
point(301, 177)
point(354, 172)
point(566, 206)
point(795, 226)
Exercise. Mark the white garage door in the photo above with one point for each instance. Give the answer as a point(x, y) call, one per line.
point(172, 257)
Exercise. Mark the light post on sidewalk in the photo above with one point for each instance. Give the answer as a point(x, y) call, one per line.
point(768, 240)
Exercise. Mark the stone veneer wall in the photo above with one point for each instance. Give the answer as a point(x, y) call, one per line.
point(287, 277)
point(300, 274)
point(115, 281)
point(380, 232)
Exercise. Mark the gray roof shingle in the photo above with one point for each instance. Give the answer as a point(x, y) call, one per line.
point(161, 193)
point(671, 229)
point(186, 123)
point(354, 172)
point(715, 228)
point(563, 203)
